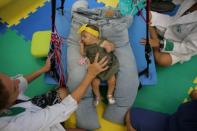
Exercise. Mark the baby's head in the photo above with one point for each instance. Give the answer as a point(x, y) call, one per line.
point(89, 34)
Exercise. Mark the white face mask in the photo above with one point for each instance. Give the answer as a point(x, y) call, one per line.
point(22, 87)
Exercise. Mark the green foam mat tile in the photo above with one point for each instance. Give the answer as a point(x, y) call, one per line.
point(171, 89)
point(16, 58)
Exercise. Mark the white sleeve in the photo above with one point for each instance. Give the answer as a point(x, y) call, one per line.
point(44, 118)
point(186, 47)
point(160, 20)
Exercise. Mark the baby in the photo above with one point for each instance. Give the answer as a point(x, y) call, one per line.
point(90, 44)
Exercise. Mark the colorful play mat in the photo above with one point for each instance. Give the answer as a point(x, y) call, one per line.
point(21, 19)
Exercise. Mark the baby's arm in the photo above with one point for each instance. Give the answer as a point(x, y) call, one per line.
point(82, 51)
point(83, 58)
point(109, 46)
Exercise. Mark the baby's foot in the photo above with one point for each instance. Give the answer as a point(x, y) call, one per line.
point(111, 99)
point(96, 101)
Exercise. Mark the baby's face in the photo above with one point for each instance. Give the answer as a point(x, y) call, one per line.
point(87, 38)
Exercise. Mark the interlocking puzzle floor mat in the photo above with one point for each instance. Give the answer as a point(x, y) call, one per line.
point(172, 88)
point(112, 3)
point(38, 21)
point(2, 28)
point(13, 11)
point(15, 57)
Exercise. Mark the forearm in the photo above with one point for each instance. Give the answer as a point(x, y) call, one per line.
point(34, 75)
point(42, 119)
point(82, 50)
point(81, 89)
point(163, 59)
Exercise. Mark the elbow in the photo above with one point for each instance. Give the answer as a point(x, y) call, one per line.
point(163, 59)
point(164, 63)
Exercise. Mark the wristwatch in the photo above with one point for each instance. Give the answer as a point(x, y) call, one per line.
point(161, 44)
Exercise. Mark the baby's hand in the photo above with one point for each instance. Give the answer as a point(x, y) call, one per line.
point(81, 43)
point(109, 47)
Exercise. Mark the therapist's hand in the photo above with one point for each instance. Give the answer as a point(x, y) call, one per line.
point(47, 65)
point(98, 66)
point(153, 42)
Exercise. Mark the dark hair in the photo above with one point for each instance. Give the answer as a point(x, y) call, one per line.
point(4, 96)
point(93, 27)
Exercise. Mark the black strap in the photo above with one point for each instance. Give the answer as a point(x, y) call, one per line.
point(62, 7)
point(20, 101)
point(140, 86)
point(147, 46)
point(53, 8)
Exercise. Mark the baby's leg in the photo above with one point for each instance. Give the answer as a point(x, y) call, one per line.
point(126, 85)
point(95, 87)
point(111, 86)
point(76, 74)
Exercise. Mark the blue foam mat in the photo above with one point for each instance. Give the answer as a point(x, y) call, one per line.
point(136, 32)
point(63, 22)
point(40, 20)
point(2, 27)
